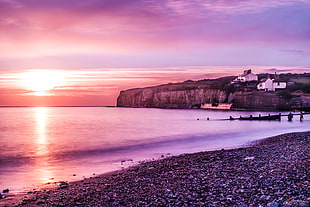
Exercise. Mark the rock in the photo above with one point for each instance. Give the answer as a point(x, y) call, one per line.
point(6, 191)
point(273, 204)
point(41, 201)
point(63, 185)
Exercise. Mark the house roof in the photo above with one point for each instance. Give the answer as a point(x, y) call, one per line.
point(273, 80)
point(246, 72)
point(263, 80)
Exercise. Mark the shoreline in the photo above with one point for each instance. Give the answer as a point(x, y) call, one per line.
point(270, 172)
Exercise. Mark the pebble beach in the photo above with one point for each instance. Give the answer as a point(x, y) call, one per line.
point(270, 172)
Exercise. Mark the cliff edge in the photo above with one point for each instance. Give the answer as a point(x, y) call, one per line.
point(189, 94)
point(193, 94)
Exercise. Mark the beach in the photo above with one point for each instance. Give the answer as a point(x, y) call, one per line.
point(269, 172)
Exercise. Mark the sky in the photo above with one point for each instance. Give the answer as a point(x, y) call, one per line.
point(78, 52)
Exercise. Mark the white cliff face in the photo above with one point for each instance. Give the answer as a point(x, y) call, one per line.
point(155, 98)
point(187, 98)
point(172, 96)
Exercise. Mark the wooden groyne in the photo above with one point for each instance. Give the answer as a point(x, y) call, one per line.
point(271, 117)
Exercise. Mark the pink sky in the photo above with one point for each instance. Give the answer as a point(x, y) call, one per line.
point(103, 46)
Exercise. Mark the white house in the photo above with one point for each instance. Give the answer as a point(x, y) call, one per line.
point(265, 84)
point(278, 84)
point(268, 84)
point(246, 76)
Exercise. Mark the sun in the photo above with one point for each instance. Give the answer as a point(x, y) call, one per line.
point(41, 82)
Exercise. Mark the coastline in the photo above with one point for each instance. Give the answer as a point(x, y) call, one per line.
point(270, 172)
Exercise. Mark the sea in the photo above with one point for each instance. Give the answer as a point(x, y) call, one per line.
point(41, 146)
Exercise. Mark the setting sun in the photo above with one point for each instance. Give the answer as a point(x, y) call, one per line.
point(41, 82)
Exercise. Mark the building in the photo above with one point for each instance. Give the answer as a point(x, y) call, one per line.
point(278, 84)
point(246, 77)
point(265, 84)
point(268, 84)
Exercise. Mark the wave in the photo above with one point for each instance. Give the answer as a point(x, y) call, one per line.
point(151, 144)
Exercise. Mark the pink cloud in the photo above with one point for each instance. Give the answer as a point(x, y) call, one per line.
point(157, 30)
point(97, 41)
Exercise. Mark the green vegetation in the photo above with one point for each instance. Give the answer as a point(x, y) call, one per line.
point(300, 82)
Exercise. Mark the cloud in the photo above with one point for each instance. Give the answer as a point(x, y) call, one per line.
point(297, 52)
point(9, 4)
point(287, 70)
point(102, 86)
point(159, 31)
point(275, 70)
point(241, 6)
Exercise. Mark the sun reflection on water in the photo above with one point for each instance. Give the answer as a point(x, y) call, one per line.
point(42, 169)
point(41, 123)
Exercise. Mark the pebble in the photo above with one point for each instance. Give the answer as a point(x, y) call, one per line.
point(63, 185)
point(249, 158)
point(276, 170)
point(273, 204)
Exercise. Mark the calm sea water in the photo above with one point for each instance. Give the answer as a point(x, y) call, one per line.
point(48, 144)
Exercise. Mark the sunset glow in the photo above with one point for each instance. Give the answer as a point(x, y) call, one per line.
point(90, 50)
point(41, 82)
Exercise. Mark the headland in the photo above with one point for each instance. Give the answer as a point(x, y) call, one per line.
point(248, 91)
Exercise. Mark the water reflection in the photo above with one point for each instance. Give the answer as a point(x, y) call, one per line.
point(42, 169)
point(41, 123)
point(59, 142)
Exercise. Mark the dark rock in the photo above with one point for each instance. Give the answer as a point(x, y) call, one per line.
point(40, 202)
point(63, 185)
point(6, 191)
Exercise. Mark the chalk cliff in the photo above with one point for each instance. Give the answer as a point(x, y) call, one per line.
point(191, 94)
point(259, 100)
point(157, 97)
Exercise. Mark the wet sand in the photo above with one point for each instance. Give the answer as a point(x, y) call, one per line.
point(271, 172)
